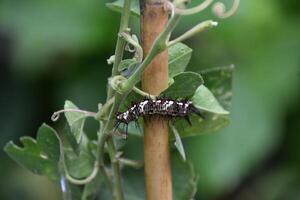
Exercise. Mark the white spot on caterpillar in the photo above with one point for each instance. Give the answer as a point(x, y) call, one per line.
point(125, 116)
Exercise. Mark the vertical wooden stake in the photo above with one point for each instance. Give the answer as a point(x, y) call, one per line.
point(158, 181)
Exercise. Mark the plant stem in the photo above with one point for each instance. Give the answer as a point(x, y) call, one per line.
point(105, 137)
point(120, 42)
point(154, 18)
point(157, 46)
point(104, 133)
point(117, 192)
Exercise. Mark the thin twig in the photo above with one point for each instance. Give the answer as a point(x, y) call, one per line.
point(132, 163)
point(144, 94)
point(120, 42)
point(55, 115)
point(196, 29)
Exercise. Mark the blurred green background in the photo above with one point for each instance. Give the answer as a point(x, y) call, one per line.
point(56, 50)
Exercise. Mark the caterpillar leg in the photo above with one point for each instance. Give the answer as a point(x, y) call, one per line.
point(137, 126)
point(188, 120)
point(197, 112)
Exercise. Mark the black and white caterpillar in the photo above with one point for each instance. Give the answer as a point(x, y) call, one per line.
point(162, 106)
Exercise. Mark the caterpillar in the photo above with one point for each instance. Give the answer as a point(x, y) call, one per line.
point(162, 106)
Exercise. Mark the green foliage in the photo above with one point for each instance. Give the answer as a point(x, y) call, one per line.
point(219, 81)
point(40, 156)
point(79, 160)
point(79, 166)
point(75, 120)
point(184, 86)
point(205, 100)
point(65, 37)
point(92, 188)
point(190, 85)
point(179, 57)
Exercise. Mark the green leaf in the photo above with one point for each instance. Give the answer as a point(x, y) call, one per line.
point(118, 6)
point(48, 141)
point(184, 86)
point(178, 143)
point(80, 165)
point(75, 120)
point(92, 188)
point(179, 57)
point(40, 156)
point(219, 81)
point(210, 124)
point(70, 138)
point(184, 179)
point(205, 100)
point(215, 116)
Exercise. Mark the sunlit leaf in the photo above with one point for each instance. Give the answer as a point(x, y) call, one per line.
point(75, 120)
point(179, 57)
point(215, 116)
point(203, 99)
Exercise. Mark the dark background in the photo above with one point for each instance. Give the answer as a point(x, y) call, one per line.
point(51, 51)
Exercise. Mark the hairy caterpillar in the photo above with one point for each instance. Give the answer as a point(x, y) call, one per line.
point(161, 106)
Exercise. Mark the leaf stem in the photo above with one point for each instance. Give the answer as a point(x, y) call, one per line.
point(144, 94)
point(55, 116)
point(101, 113)
point(196, 29)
